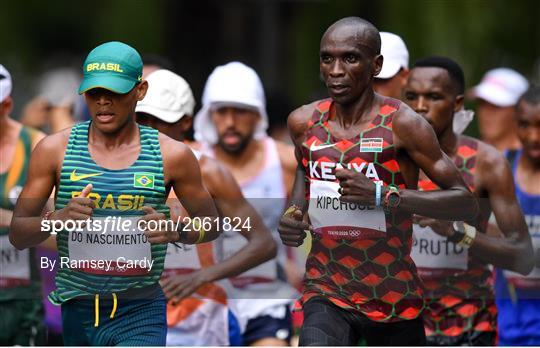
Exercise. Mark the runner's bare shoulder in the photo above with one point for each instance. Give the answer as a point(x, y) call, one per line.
point(172, 149)
point(410, 128)
point(492, 167)
point(217, 178)
point(51, 149)
point(298, 119)
point(286, 155)
point(489, 158)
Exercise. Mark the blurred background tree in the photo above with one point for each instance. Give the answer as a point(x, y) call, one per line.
point(279, 39)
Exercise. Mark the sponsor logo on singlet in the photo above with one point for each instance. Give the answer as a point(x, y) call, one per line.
point(76, 177)
point(371, 145)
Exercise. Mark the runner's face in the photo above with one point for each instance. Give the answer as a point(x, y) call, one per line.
point(528, 117)
point(111, 111)
point(347, 64)
point(494, 121)
point(235, 127)
point(430, 92)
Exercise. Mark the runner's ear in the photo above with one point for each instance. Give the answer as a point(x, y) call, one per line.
point(458, 103)
point(377, 64)
point(142, 88)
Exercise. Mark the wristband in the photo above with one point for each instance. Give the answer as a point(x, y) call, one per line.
point(378, 190)
point(392, 199)
point(463, 237)
point(290, 210)
point(458, 234)
point(201, 231)
point(470, 235)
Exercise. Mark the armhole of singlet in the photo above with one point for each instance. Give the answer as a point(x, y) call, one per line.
point(511, 156)
point(67, 151)
point(394, 103)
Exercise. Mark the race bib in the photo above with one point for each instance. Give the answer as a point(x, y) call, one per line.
point(435, 256)
point(113, 251)
point(334, 219)
point(532, 280)
point(263, 273)
point(14, 265)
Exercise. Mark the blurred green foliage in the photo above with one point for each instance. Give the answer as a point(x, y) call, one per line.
point(280, 39)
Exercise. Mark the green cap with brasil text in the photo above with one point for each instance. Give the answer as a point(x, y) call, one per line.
point(114, 66)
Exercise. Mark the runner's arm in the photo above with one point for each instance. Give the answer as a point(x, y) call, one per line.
point(454, 201)
point(514, 251)
point(288, 165)
point(25, 230)
point(231, 203)
point(297, 124)
point(291, 225)
point(183, 173)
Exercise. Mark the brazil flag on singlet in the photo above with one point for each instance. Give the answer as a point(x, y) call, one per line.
point(109, 256)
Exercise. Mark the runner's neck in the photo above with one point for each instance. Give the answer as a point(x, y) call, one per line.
point(127, 135)
point(7, 128)
point(10, 131)
point(508, 141)
point(359, 111)
point(252, 150)
point(448, 141)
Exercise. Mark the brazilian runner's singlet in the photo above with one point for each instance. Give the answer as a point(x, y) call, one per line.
point(518, 297)
point(459, 294)
point(116, 193)
point(359, 257)
point(19, 276)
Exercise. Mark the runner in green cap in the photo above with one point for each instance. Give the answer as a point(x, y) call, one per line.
point(105, 169)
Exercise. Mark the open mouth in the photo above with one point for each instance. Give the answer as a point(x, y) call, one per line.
point(104, 117)
point(231, 138)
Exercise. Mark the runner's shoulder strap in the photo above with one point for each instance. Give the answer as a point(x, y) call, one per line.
point(511, 156)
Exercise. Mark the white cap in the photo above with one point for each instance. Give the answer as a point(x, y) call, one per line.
point(501, 87)
point(233, 84)
point(168, 98)
point(5, 83)
point(395, 53)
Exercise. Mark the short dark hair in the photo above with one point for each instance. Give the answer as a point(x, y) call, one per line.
point(453, 68)
point(370, 31)
point(532, 96)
